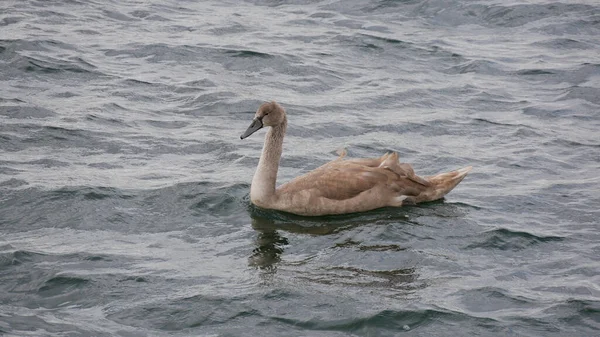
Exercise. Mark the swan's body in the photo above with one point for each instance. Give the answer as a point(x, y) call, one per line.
point(340, 186)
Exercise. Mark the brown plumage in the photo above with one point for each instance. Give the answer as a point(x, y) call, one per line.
point(342, 185)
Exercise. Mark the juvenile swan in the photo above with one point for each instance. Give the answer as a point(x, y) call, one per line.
point(340, 186)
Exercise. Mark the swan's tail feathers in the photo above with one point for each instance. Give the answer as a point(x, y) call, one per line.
point(442, 184)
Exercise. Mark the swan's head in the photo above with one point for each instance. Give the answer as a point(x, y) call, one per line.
point(268, 114)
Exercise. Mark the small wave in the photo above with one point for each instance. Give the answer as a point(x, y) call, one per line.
point(505, 239)
point(12, 182)
point(509, 125)
point(589, 94)
point(571, 143)
point(30, 64)
point(246, 53)
point(168, 124)
point(522, 14)
point(392, 320)
point(476, 66)
point(563, 43)
point(576, 312)
point(222, 202)
point(184, 313)
point(61, 284)
point(534, 72)
point(11, 20)
point(22, 112)
point(373, 248)
point(488, 299)
point(118, 16)
point(18, 257)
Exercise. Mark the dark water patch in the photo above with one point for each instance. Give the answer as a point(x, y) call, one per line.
point(30, 64)
point(9, 171)
point(563, 43)
point(483, 121)
point(404, 127)
point(17, 257)
point(231, 58)
point(525, 14)
point(157, 52)
point(388, 40)
point(323, 15)
point(392, 321)
point(184, 313)
point(12, 182)
point(87, 32)
point(31, 324)
point(571, 143)
point(246, 53)
point(489, 299)
point(73, 207)
point(25, 112)
point(268, 219)
point(46, 163)
point(208, 104)
point(505, 239)
point(583, 25)
point(35, 45)
point(33, 135)
point(167, 124)
point(430, 128)
point(406, 279)
point(100, 193)
point(140, 13)
point(493, 100)
point(219, 147)
point(368, 8)
point(543, 112)
point(349, 243)
point(231, 28)
point(11, 20)
point(201, 83)
point(110, 121)
point(534, 72)
point(477, 66)
point(578, 76)
point(385, 47)
point(225, 203)
point(589, 94)
point(585, 314)
point(118, 16)
point(105, 166)
point(327, 130)
point(138, 279)
point(97, 258)
point(61, 284)
point(66, 94)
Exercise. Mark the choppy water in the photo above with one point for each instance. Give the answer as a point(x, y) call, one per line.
point(124, 185)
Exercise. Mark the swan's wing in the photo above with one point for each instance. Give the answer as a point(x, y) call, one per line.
point(345, 179)
point(338, 180)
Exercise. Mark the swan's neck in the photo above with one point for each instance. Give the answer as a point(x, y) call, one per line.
point(262, 191)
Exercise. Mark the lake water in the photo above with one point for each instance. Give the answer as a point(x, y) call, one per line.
point(124, 207)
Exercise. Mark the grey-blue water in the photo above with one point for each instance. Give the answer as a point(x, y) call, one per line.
point(124, 207)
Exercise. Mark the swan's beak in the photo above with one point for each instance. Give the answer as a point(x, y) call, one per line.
point(255, 126)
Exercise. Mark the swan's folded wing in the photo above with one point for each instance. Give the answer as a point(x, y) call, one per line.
point(337, 181)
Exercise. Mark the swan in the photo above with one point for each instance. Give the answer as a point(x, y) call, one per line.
point(340, 186)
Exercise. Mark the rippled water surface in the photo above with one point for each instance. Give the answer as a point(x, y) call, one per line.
point(124, 206)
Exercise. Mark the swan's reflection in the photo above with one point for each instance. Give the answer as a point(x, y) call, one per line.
point(271, 228)
point(401, 278)
point(269, 247)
